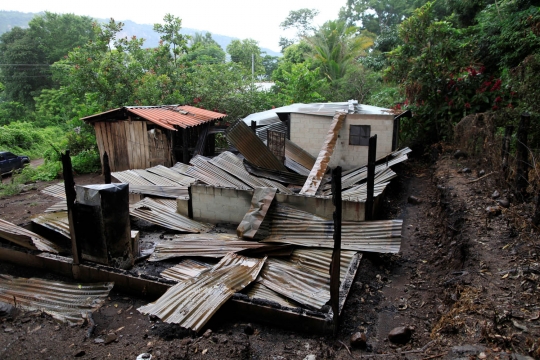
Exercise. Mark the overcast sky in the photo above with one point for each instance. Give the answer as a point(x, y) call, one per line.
point(255, 19)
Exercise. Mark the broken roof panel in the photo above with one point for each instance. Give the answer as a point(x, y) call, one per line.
point(56, 221)
point(130, 177)
point(299, 155)
point(192, 302)
point(26, 238)
point(185, 269)
point(174, 192)
point(321, 164)
point(205, 166)
point(155, 179)
point(172, 175)
point(204, 245)
point(281, 176)
point(258, 291)
point(156, 213)
point(63, 301)
point(56, 190)
point(253, 149)
point(260, 203)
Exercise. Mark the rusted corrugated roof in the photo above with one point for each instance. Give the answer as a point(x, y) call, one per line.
point(156, 213)
point(56, 190)
point(259, 291)
point(297, 227)
point(299, 155)
point(260, 203)
point(321, 164)
point(191, 303)
point(166, 116)
point(253, 149)
point(318, 260)
point(63, 301)
point(296, 167)
point(205, 245)
point(186, 269)
point(26, 238)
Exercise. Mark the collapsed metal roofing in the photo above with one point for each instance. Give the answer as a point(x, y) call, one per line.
point(185, 269)
point(167, 116)
point(192, 302)
point(26, 238)
point(63, 301)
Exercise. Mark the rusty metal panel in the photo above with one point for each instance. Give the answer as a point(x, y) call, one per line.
point(204, 245)
point(159, 214)
point(57, 221)
point(253, 149)
point(56, 190)
point(191, 303)
point(296, 167)
point(26, 238)
point(63, 301)
point(186, 269)
point(276, 144)
point(259, 291)
point(172, 175)
point(170, 116)
point(260, 203)
point(321, 164)
point(318, 260)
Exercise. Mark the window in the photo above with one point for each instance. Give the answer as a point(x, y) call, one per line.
point(10, 156)
point(359, 135)
point(2, 158)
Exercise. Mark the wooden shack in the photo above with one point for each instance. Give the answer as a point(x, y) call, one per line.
point(139, 137)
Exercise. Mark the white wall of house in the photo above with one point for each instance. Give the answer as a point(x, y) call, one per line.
point(309, 132)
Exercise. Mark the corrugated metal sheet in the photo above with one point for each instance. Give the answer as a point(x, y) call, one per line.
point(253, 149)
point(318, 260)
point(186, 269)
point(224, 161)
point(296, 282)
point(163, 191)
point(180, 168)
point(260, 203)
point(63, 301)
point(59, 206)
point(191, 303)
point(130, 177)
point(57, 221)
point(26, 238)
point(170, 116)
point(296, 227)
point(296, 167)
point(204, 165)
point(275, 185)
point(263, 131)
point(299, 155)
point(321, 164)
point(281, 176)
point(259, 291)
point(155, 179)
point(172, 175)
point(360, 174)
point(156, 213)
point(56, 190)
point(204, 245)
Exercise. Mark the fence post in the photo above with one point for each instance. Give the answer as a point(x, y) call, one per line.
point(506, 148)
point(522, 155)
point(336, 253)
point(106, 168)
point(371, 176)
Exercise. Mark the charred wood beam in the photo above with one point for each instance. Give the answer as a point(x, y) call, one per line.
point(69, 185)
point(336, 253)
point(106, 168)
point(371, 176)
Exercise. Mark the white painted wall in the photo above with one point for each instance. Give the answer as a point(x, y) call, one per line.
point(309, 132)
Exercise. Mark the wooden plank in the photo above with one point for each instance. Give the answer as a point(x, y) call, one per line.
point(129, 148)
point(135, 146)
point(146, 152)
point(99, 141)
point(121, 145)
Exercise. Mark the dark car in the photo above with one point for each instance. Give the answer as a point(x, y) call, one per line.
point(10, 162)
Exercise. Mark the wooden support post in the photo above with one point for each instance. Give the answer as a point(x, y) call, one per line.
point(254, 126)
point(371, 176)
point(185, 146)
point(106, 168)
point(190, 203)
point(506, 148)
point(522, 155)
point(336, 253)
point(395, 131)
point(69, 186)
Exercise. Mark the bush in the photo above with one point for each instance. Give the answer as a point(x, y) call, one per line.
point(86, 161)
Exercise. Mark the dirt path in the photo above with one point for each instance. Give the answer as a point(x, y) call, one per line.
point(451, 283)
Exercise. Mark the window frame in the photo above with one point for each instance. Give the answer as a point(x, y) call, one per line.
point(359, 135)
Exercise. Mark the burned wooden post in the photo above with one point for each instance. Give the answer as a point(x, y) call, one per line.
point(336, 253)
point(522, 154)
point(371, 176)
point(506, 148)
point(185, 146)
point(254, 126)
point(190, 203)
point(106, 168)
point(69, 186)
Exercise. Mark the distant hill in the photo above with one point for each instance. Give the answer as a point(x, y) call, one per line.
point(10, 19)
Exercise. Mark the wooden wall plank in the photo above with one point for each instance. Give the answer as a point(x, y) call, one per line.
point(146, 154)
point(127, 125)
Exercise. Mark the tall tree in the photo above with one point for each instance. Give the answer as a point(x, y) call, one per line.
point(204, 50)
point(302, 21)
point(170, 34)
point(244, 51)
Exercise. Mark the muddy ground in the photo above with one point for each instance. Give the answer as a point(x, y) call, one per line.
point(465, 282)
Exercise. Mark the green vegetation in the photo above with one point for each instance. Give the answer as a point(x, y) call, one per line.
point(442, 60)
